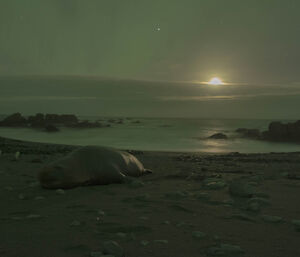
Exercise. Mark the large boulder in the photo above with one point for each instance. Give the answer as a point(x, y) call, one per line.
point(283, 132)
point(14, 120)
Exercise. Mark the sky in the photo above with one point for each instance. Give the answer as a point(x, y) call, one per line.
point(253, 45)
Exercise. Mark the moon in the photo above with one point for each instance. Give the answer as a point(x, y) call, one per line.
point(215, 81)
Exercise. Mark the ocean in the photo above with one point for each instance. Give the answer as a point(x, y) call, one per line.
point(160, 134)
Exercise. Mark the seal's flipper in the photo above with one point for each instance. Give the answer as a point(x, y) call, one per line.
point(148, 171)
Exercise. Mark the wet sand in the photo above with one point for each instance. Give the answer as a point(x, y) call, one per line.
point(189, 206)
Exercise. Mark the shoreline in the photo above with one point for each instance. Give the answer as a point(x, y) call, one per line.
point(187, 207)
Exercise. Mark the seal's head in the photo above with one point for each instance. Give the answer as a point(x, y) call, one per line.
point(55, 176)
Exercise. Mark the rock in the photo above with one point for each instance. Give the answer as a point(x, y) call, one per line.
point(296, 223)
point(198, 234)
point(96, 254)
point(17, 156)
point(225, 250)
point(51, 128)
point(14, 120)
point(144, 242)
point(218, 136)
point(39, 198)
point(21, 197)
point(241, 188)
point(278, 131)
point(272, 219)
point(214, 183)
point(135, 183)
point(121, 235)
point(160, 241)
point(60, 191)
point(113, 248)
point(75, 223)
point(33, 216)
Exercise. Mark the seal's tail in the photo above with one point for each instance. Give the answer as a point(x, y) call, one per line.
point(148, 171)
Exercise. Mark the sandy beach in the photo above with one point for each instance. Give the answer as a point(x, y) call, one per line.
point(189, 207)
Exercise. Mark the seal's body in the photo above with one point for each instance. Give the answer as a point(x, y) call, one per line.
point(91, 165)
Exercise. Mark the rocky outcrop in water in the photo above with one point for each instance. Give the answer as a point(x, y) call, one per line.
point(48, 122)
point(278, 131)
point(14, 120)
point(218, 136)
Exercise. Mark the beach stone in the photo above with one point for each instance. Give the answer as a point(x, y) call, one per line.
point(225, 250)
point(214, 184)
point(96, 254)
point(112, 247)
point(272, 219)
point(75, 223)
point(161, 241)
point(17, 156)
point(135, 183)
point(39, 198)
point(255, 207)
point(144, 242)
point(21, 197)
point(101, 213)
point(60, 191)
point(166, 222)
point(176, 195)
point(202, 196)
point(198, 234)
point(241, 188)
point(33, 216)
point(296, 223)
point(242, 216)
point(258, 200)
point(121, 235)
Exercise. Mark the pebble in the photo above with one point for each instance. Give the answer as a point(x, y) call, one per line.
point(214, 184)
point(112, 247)
point(136, 184)
point(241, 188)
point(296, 223)
point(166, 222)
point(272, 219)
point(96, 254)
point(160, 241)
point(17, 156)
point(101, 213)
point(198, 234)
point(60, 191)
point(121, 235)
point(75, 223)
point(39, 198)
point(144, 242)
point(33, 216)
point(225, 250)
point(21, 197)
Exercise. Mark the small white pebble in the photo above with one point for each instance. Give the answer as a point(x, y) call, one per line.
point(39, 198)
point(60, 191)
point(17, 155)
point(75, 223)
point(21, 196)
point(161, 241)
point(144, 242)
point(101, 213)
point(33, 216)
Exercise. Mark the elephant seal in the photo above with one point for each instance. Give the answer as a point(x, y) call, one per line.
point(91, 165)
